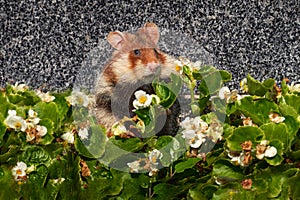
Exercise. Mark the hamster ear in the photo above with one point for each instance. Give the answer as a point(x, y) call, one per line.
point(116, 39)
point(152, 31)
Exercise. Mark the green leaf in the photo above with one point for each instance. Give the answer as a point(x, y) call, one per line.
point(213, 81)
point(257, 88)
point(294, 101)
point(94, 147)
point(276, 177)
point(168, 92)
point(5, 105)
point(103, 188)
point(293, 183)
point(165, 191)
point(11, 153)
point(47, 111)
point(233, 191)
point(189, 163)
point(242, 134)
point(8, 186)
point(279, 132)
point(128, 144)
point(284, 87)
point(35, 155)
point(286, 110)
point(224, 169)
point(111, 153)
point(204, 193)
point(276, 160)
point(24, 98)
point(226, 76)
point(132, 189)
point(257, 110)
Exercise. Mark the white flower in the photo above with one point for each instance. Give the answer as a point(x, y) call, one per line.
point(153, 171)
point(68, 137)
point(247, 121)
point(59, 180)
point(294, 87)
point(196, 124)
point(224, 93)
point(83, 133)
point(32, 113)
point(42, 130)
point(234, 96)
point(274, 117)
point(197, 141)
point(78, 98)
point(118, 128)
point(20, 87)
point(229, 96)
point(188, 134)
point(197, 65)
point(154, 156)
point(15, 122)
point(143, 100)
point(45, 97)
point(32, 118)
point(19, 171)
point(270, 152)
point(134, 166)
point(243, 85)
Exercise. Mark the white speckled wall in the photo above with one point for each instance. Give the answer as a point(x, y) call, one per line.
point(46, 42)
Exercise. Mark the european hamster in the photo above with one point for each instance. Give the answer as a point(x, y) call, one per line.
point(135, 62)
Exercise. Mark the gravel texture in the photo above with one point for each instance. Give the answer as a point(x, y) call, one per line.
point(61, 44)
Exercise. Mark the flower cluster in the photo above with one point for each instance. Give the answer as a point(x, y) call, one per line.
point(45, 97)
point(151, 164)
point(196, 131)
point(80, 98)
point(264, 150)
point(34, 131)
point(184, 62)
point(245, 157)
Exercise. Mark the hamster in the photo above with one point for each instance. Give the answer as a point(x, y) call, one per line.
point(135, 62)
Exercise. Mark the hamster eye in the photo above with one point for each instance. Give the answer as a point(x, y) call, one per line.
point(137, 52)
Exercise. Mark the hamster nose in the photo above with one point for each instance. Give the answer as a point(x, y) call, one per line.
point(153, 66)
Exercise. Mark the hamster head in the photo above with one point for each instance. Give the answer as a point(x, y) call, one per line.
point(136, 56)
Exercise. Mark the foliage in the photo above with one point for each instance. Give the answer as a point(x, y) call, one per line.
point(233, 146)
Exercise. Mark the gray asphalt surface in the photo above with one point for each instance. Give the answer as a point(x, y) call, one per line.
point(59, 44)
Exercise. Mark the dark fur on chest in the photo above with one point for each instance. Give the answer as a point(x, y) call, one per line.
point(120, 103)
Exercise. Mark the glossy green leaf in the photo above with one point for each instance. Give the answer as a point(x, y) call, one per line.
point(35, 155)
point(242, 134)
point(189, 163)
point(257, 110)
point(224, 169)
point(47, 111)
point(94, 146)
point(128, 144)
point(257, 88)
point(279, 132)
point(165, 191)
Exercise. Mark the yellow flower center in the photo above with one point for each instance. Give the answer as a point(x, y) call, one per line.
point(177, 68)
point(18, 125)
point(142, 99)
point(80, 100)
point(19, 172)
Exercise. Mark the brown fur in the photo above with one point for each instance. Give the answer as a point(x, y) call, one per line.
point(126, 68)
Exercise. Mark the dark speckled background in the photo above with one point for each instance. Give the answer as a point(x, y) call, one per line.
point(47, 42)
